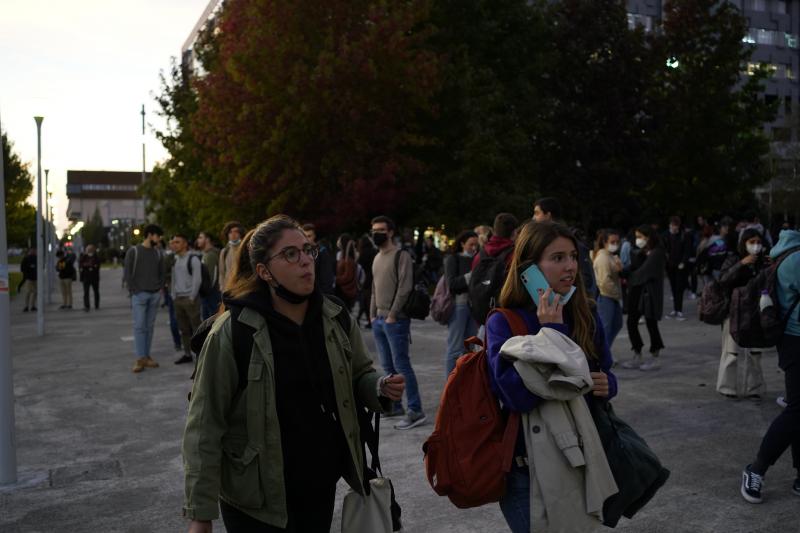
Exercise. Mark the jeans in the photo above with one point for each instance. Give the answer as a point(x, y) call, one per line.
point(610, 312)
point(173, 320)
point(461, 326)
point(516, 504)
point(392, 341)
point(145, 306)
point(210, 304)
point(785, 429)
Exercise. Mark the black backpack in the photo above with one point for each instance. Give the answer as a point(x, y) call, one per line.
point(206, 285)
point(242, 336)
point(418, 305)
point(485, 283)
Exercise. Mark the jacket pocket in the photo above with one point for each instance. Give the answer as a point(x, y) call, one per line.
point(241, 479)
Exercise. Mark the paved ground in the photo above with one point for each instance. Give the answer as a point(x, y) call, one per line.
point(99, 447)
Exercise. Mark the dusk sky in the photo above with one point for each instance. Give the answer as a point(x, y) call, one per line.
point(87, 66)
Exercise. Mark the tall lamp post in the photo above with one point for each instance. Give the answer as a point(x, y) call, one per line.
point(39, 232)
point(8, 453)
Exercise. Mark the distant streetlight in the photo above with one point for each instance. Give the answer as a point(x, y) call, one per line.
point(136, 231)
point(39, 233)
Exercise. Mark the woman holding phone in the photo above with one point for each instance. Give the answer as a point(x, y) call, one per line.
point(553, 296)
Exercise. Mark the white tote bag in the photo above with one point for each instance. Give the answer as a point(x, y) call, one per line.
point(370, 513)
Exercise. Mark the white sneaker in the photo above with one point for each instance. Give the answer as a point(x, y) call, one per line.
point(651, 364)
point(781, 401)
point(671, 315)
point(679, 317)
point(641, 320)
point(633, 363)
point(692, 296)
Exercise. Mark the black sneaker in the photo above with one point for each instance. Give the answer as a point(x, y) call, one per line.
point(184, 359)
point(751, 485)
point(796, 487)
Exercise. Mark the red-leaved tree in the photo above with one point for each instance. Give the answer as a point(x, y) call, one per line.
point(315, 108)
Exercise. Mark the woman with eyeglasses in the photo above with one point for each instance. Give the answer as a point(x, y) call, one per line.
point(265, 443)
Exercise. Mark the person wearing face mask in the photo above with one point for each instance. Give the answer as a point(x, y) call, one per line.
point(734, 381)
point(607, 266)
point(145, 276)
point(232, 234)
point(89, 266)
point(678, 248)
point(646, 297)
point(457, 270)
point(269, 457)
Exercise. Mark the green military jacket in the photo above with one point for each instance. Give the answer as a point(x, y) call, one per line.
point(232, 441)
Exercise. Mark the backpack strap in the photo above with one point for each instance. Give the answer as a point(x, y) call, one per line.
point(518, 328)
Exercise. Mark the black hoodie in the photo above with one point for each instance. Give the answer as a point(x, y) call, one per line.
point(315, 453)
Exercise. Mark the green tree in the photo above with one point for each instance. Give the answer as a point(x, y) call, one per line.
point(707, 118)
point(489, 110)
point(18, 182)
point(93, 231)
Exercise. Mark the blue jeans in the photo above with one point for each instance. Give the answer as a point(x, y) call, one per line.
point(210, 304)
point(392, 341)
point(516, 504)
point(145, 306)
point(460, 327)
point(173, 320)
point(610, 312)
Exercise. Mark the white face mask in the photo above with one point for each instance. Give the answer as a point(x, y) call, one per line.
point(613, 248)
point(641, 243)
point(754, 249)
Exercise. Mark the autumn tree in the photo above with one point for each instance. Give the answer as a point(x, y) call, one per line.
point(18, 182)
point(314, 108)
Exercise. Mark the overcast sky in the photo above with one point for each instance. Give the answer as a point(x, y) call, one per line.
point(87, 66)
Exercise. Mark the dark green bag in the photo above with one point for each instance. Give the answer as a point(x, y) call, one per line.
point(637, 471)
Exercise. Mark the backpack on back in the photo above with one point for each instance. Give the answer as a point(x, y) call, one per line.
point(485, 283)
point(206, 285)
point(469, 453)
point(442, 304)
point(714, 304)
point(752, 326)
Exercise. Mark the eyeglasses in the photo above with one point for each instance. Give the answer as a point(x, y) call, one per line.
point(292, 253)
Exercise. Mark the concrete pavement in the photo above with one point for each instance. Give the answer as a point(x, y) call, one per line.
point(99, 446)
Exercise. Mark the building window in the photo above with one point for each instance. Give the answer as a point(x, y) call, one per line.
point(771, 37)
point(644, 21)
point(791, 40)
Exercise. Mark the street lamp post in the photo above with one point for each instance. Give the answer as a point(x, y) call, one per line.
point(39, 233)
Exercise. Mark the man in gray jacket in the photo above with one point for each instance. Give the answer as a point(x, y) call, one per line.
point(186, 280)
point(144, 277)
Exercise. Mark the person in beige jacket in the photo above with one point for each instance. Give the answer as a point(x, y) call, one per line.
point(561, 439)
point(607, 266)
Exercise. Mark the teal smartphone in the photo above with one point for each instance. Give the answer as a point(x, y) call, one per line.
point(534, 281)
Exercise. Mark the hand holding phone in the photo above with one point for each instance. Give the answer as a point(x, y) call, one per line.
point(536, 284)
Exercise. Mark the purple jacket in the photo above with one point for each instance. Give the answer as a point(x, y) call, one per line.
point(506, 382)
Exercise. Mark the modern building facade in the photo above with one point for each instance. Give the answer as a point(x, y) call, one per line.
point(774, 34)
point(114, 194)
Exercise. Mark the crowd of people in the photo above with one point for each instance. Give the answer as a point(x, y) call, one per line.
point(303, 302)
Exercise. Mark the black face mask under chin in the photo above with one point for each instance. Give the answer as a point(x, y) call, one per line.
point(286, 294)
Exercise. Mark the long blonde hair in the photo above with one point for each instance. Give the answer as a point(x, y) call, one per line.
point(529, 248)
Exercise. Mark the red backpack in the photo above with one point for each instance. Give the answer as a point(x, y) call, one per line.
point(469, 453)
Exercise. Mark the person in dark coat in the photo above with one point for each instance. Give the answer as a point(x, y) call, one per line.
point(89, 266)
point(29, 271)
point(678, 248)
point(457, 271)
point(736, 271)
point(366, 254)
point(646, 296)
